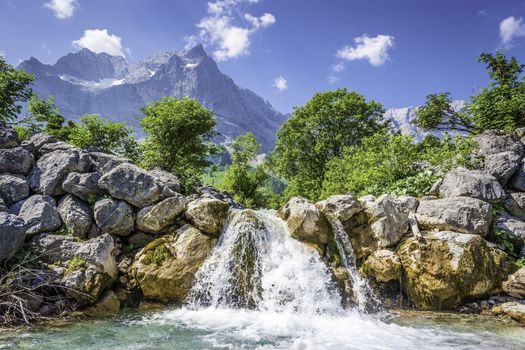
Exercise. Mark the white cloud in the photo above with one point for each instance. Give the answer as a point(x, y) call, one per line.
point(280, 83)
point(222, 29)
point(373, 49)
point(62, 8)
point(511, 28)
point(338, 68)
point(99, 40)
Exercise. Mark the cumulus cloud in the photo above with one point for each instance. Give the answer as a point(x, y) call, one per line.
point(280, 83)
point(373, 49)
point(62, 8)
point(99, 40)
point(511, 28)
point(230, 32)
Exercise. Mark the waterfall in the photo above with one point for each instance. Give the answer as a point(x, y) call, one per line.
point(257, 265)
point(364, 296)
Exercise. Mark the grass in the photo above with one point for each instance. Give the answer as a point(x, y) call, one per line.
point(214, 178)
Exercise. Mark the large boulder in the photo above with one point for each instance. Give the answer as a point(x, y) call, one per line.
point(305, 222)
point(84, 186)
point(459, 214)
point(134, 185)
point(165, 269)
point(383, 266)
point(340, 207)
point(3, 206)
point(103, 162)
point(512, 309)
point(471, 183)
point(518, 181)
point(208, 215)
point(114, 216)
point(40, 214)
point(512, 226)
point(495, 141)
point(156, 217)
point(41, 139)
point(76, 215)
point(16, 161)
point(52, 169)
point(13, 188)
point(514, 203)
point(449, 267)
point(502, 166)
point(167, 179)
point(55, 146)
point(516, 283)
point(8, 137)
point(12, 235)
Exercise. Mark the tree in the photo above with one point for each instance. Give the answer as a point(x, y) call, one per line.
point(319, 132)
point(177, 135)
point(105, 136)
point(45, 116)
point(501, 105)
point(15, 87)
point(242, 179)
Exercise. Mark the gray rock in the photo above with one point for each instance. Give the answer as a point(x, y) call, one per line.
point(208, 215)
point(114, 217)
point(8, 137)
point(41, 139)
point(12, 235)
point(156, 217)
point(3, 207)
point(134, 185)
point(516, 283)
point(167, 179)
point(513, 226)
point(15, 161)
point(458, 214)
point(104, 163)
point(471, 183)
point(140, 239)
point(518, 181)
point(515, 204)
point(340, 207)
point(52, 169)
point(495, 141)
point(84, 186)
point(55, 146)
point(15, 207)
point(55, 249)
point(502, 166)
point(40, 214)
point(408, 203)
point(76, 215)
point(13, 188)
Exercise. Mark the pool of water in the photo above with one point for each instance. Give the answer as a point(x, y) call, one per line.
point(182, 328)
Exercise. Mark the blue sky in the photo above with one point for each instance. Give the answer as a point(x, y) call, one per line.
point(395, 52)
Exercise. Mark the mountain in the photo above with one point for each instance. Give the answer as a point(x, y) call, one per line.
point(403, 120)
point(85, 82)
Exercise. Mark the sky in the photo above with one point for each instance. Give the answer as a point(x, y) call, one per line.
point(395, 52)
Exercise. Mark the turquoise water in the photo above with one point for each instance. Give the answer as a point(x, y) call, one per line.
point(182, 328)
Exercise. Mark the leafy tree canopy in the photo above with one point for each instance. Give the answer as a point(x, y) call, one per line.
point(15, 88)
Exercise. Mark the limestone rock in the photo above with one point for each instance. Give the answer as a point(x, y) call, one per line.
point(13, 188)
point(511, 225)
point(165, 269)
point(55, 146)
point(208, 215)
point(340, 207)
point(514, 310)
point(382, 265)
point(167, 179)
point(114, 216)
point(41, 139)
point(108, 305)
point(502, 166)
point(516, 283)
point(103, 162)
point(450, 267)
point(495, 141)
point(3, 207)
point(15, 161)
point(156, 217)
point(471, 183)
point(12, 235)
point(518, 181)
point(514, 203)
point(76, 215)
point(84, 186)
point(40, 214)
point(8, 137)
point(459, 214)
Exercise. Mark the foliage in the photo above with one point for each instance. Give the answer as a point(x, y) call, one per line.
point(330, 123)
point(505, 242)
point(22, 132)
point(15, 88)
point(242, 179)
point(178, 131)
point(501, 105)
point(105, 136)
point(156, 253)
point(520, 262)
point(77, 263)
point(45, 116)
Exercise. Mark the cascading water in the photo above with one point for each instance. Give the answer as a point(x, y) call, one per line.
point(364, 296)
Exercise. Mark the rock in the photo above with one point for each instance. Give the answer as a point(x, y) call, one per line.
point(8, 137)
point(165, 269)
point(514, 203)
point(516, 283)
point(55, 248)
point(511, 225)
point(208, 215)
point(3, 207)
point(13, 188)
point(76, 215)
point(156, 217)
point(52, 169)
point(134, 185)
point(12, 235)
point(382, 265)
point(103, 162)
point(55, 146)
point(140, 240)
point(212, 193)
point(502, 166)
point(471, 183)
point(495, 141)
point(340, 207)
point(459, 214)
point(41, 139)
point(518, 181)
point(15, 161)
point(305, 222)
point(167, 179)
point(40, 214)
point(84, 186)
point(449, 267)
point(408, 203)
point(514, 310)
point(114, 217)
point(108, 305)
